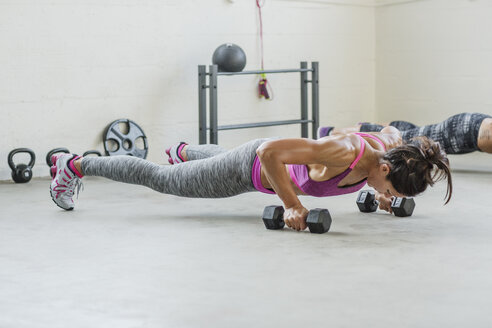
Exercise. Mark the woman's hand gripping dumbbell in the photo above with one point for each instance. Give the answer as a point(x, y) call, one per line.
point(368, 201)
point(317, 220)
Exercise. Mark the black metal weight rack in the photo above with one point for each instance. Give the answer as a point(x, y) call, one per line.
point(213, 73)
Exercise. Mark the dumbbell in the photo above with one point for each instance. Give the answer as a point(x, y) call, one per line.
point(318, 220)
point(401, 206)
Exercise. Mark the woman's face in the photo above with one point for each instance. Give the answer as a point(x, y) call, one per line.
point(381, 184)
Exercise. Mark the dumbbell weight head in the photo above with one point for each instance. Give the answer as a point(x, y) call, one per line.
point(319, 220)
point(366, 201)
point(273, 217)
point(21, 173)
point(402, 206)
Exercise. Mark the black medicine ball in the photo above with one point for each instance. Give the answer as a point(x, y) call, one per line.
point(229, 58)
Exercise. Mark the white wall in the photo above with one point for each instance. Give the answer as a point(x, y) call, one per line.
point(434, 60)
point(69, 67)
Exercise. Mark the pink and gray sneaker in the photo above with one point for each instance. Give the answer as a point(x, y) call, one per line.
point(66, 180)
point(174, 153)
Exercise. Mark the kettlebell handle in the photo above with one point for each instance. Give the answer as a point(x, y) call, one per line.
point(54, 151)
point(92, 152)
point(21, 150)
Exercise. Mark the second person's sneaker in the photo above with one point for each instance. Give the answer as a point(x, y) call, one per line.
point(324, 131)
point(174, 153)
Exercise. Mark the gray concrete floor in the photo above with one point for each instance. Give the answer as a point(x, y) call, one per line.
point(130, 257)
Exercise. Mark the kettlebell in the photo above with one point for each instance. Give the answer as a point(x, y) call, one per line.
point(92, 152)
point(51, 153)
point(55, 151)
point(21, 173)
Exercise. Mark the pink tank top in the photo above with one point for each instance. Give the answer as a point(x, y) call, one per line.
point(299, 174)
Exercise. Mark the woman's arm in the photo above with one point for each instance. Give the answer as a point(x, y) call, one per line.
point(336, 151)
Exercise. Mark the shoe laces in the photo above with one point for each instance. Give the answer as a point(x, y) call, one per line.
point(74, 186)
point(77, 185)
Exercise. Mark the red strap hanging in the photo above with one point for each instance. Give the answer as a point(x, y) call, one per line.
point(260, 4)
point(263, 85)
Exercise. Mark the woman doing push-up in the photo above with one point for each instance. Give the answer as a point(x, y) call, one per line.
point(459, 134)
point(330, 166)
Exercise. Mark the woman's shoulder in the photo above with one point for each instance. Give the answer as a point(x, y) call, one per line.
point(390, 137)
point(349, 141)
point(339, 149)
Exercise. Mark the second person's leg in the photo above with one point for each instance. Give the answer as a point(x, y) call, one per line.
point(183, 152)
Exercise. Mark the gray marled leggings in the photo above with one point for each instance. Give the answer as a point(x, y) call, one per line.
point(212, 172)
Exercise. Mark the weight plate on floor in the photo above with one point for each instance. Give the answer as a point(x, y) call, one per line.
point(125, 137)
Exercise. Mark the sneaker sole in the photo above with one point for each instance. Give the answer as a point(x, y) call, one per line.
point(66, 209)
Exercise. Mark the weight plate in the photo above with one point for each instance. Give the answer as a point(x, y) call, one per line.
point(117, 142)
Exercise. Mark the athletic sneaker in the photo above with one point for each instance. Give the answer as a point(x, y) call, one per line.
point(174, 153)
point(64, 181)
point(324, 131)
